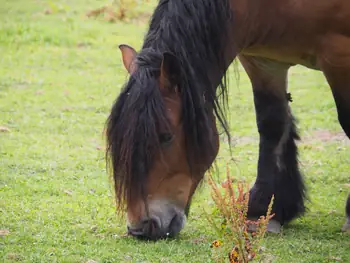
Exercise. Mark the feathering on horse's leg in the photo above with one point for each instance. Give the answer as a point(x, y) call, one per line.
point(278, 169)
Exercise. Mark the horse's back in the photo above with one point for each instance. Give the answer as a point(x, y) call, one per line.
point(300, 31)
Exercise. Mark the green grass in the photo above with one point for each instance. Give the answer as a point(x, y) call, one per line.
point(59, 76)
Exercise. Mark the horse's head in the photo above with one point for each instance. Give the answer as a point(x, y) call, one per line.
point(159, 144)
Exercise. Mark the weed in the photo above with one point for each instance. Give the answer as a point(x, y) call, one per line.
point(231, 206)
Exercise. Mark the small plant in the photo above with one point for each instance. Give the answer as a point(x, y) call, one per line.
point(118, 10)
point(124, 8)
point(229, 219)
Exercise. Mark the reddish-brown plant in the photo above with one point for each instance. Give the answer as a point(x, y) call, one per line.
point(231, 205)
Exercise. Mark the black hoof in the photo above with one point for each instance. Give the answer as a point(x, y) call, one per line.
point(346, 226)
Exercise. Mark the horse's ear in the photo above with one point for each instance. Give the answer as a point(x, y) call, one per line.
point(128, 55)
point(170, 71)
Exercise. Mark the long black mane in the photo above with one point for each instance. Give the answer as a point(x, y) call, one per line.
point(196, 32)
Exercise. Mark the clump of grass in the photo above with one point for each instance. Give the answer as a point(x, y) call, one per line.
point(231, 206)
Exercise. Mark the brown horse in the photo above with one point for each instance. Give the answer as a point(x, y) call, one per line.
point(161, 132)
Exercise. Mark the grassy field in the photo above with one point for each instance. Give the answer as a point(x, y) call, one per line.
point(59, 74)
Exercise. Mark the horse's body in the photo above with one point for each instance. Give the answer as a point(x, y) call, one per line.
point(162, 133)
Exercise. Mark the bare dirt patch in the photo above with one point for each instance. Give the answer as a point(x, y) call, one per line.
point(326, 136)
point(321, 136)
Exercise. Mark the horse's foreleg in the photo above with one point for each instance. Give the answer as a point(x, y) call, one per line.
point(335, 64)
point(346, 226)
point(278, 171)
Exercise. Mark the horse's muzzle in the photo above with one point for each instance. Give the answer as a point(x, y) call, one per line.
point(165, 220)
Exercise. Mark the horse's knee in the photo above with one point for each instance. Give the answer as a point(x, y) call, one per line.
point(271, 115)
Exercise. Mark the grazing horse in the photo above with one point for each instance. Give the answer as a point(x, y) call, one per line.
point(161, 133)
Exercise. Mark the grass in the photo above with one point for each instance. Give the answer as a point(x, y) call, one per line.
point(59, 75)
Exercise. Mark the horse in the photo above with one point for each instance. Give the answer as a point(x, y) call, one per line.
point(161, 133)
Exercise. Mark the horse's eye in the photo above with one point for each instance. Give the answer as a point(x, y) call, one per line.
point(165, 139)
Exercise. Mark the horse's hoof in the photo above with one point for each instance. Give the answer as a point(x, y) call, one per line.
point(346, 226)
point(272, 227)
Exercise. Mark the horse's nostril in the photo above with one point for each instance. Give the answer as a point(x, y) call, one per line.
point(155, 228)
point(175, 225)
point(151, 227)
